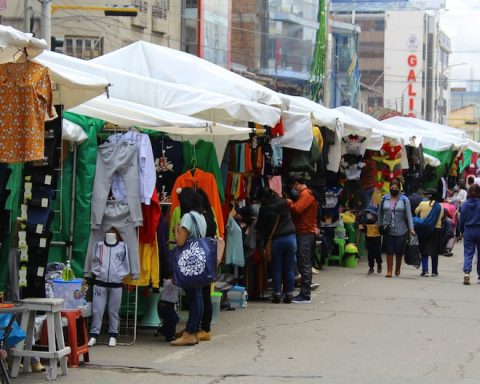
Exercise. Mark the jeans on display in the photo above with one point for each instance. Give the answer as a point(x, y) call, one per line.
point(120, 158)
point(305, 242)
point(471, 246)
point(283, 263)
point(195, 309)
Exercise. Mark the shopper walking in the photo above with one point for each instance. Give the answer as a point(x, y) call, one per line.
point(470, 227)
point(192, 225)
point(395, 222)
point(275, 222)
point(430, 245)
point(304, 215)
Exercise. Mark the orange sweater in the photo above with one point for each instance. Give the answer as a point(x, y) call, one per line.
point(304, 212)
point(206, 181)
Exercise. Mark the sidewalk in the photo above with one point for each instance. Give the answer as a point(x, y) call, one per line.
point(358, 329)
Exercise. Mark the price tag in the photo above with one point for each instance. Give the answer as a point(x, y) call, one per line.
point(28, 178)
point(24, 254)
point(43, 242)
point(22, 277)
point(28, 186)
point(48, 179)
point(44, 202)
point(22, 239)
point(39, 229)
point(40, 271)
point(24, 210)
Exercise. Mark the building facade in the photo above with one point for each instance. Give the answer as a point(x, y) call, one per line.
point(85, 33)
point(468, 119)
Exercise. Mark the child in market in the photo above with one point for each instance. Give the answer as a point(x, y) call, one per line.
point(167, 311)
point(368, 223)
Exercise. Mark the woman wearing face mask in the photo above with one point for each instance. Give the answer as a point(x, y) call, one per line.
point(395, 212)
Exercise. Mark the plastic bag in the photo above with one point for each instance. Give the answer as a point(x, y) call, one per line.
point(16, 334)
point(412, 252)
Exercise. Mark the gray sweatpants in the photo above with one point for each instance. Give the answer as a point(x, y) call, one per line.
point(120, 158)
point(102, 295)
point(117, 215)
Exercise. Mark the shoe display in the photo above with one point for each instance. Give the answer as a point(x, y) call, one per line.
point(112, 342)
point(186, 339)
point(371, 270)
point(300, 299)
point(203, 335)
point(92, 341)
point(466, 279)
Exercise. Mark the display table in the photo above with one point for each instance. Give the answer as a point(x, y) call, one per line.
point(52, 309)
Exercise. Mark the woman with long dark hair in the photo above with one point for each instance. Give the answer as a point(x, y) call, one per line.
point(275, 220)
point(470, 227)
point(192, 225)
point(430, 245)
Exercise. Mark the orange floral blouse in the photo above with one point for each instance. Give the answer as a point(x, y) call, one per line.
point(25, 96)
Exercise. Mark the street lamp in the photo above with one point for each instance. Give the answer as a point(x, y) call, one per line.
point(441, 104)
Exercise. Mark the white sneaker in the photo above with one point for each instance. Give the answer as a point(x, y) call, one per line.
point(315, 271)
point(92, 341)
point(112, 342)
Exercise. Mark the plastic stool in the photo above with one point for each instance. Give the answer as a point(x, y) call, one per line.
point(77, 338)
point(341, 251)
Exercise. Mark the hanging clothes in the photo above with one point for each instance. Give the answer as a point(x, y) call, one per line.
point(25, 96)
point(151, 217)
point(148, 255)
point(146, 166)
point(205, 157)
point(234, 248)
point(207, 182)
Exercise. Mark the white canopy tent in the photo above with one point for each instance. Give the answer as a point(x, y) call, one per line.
point(156, 62)
point(162, 63)
point(176, 98)
point(71, 87)
point(126, 113)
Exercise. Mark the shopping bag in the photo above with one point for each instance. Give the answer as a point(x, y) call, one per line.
point(412, 252)
point(195, 264)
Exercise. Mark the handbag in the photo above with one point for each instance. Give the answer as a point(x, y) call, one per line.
point(267, 250)
point(384, 229)
point(412, 252)
point(195, 263)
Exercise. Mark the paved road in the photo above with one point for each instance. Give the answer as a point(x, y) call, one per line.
point(359, 329)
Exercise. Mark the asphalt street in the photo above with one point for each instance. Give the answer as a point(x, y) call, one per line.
point(359, 329)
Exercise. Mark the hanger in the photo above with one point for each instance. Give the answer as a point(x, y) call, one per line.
point(194, 160)
point(21, 52)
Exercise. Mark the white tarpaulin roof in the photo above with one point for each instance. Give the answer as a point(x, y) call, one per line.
point(13, 42)
point(70, 87)
point(436, 137)
point(177, 98)
point(322, 116)
point(162, 63)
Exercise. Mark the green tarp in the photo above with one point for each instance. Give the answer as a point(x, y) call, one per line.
point(446, 158)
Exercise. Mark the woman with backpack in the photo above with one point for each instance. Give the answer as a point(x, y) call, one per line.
point(470, 227)
point(395, 222)
point(430, 238)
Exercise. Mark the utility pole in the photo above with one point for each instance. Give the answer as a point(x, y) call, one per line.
point(46, 21)
point(27, 15)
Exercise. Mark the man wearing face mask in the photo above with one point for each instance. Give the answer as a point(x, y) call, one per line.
point(395, 212)
point(304, 215)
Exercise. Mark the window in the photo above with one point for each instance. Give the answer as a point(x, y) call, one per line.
point(83, 47)
point(160, 9)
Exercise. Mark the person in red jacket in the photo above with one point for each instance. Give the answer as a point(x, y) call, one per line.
point(304, 215)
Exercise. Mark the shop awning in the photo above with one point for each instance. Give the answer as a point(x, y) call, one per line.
point(176, 98)
point(14, 42)
point(321, 115)
point(167, 64)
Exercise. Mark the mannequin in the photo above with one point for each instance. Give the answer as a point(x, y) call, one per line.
point(109, 266)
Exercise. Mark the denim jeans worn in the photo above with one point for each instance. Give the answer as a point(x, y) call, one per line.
point(471, 245)
point(195, 309)
point(283, 263)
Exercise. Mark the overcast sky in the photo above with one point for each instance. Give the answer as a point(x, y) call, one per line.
point(461, 22)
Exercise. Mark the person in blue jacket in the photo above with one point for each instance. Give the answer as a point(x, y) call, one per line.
point(470, 227)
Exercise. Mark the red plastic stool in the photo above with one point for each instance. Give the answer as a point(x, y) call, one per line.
point(77, 338)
